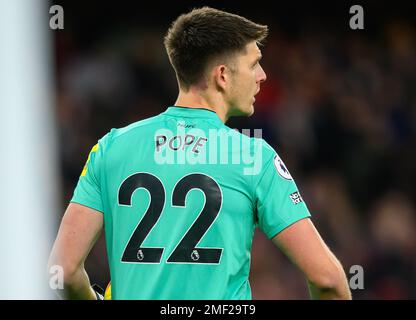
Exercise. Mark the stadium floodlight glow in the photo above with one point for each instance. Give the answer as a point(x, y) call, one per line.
point(28, 188)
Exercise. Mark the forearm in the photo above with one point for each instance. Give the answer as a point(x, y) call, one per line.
point(78, 287)
point(339, 291)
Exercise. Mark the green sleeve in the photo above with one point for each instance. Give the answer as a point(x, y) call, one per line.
point(279, 203)
point(88, 189)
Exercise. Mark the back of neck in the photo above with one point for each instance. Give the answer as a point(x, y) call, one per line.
point(201, 100)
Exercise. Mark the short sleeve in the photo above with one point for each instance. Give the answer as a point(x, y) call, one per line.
point(279, 203)
point(88, 189)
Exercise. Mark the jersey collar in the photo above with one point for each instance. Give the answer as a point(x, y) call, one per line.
point(186, 112)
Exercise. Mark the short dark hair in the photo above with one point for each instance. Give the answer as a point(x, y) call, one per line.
point(197, 37)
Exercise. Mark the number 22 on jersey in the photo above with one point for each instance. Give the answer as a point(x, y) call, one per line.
point(186, 251)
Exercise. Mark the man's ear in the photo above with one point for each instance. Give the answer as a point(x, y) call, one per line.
point(221, 75)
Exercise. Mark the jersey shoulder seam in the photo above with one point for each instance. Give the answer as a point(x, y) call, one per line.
point(134, 126)
point(269, 163)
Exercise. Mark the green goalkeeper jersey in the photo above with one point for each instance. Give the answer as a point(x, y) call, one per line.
point(182, 195)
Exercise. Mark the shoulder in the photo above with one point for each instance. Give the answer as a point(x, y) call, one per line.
point(133, 127)
point(264, 147)
point(256, 154)
point(251, 140)
point(115, 133)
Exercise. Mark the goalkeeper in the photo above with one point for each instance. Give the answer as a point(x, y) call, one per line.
point(178, 224)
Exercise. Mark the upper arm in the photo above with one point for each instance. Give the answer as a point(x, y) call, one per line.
point(278, 200)
point(78, 232)
point(83, 218)
point(304, 246)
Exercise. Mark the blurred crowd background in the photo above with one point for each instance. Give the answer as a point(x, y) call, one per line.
point(339, 106)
